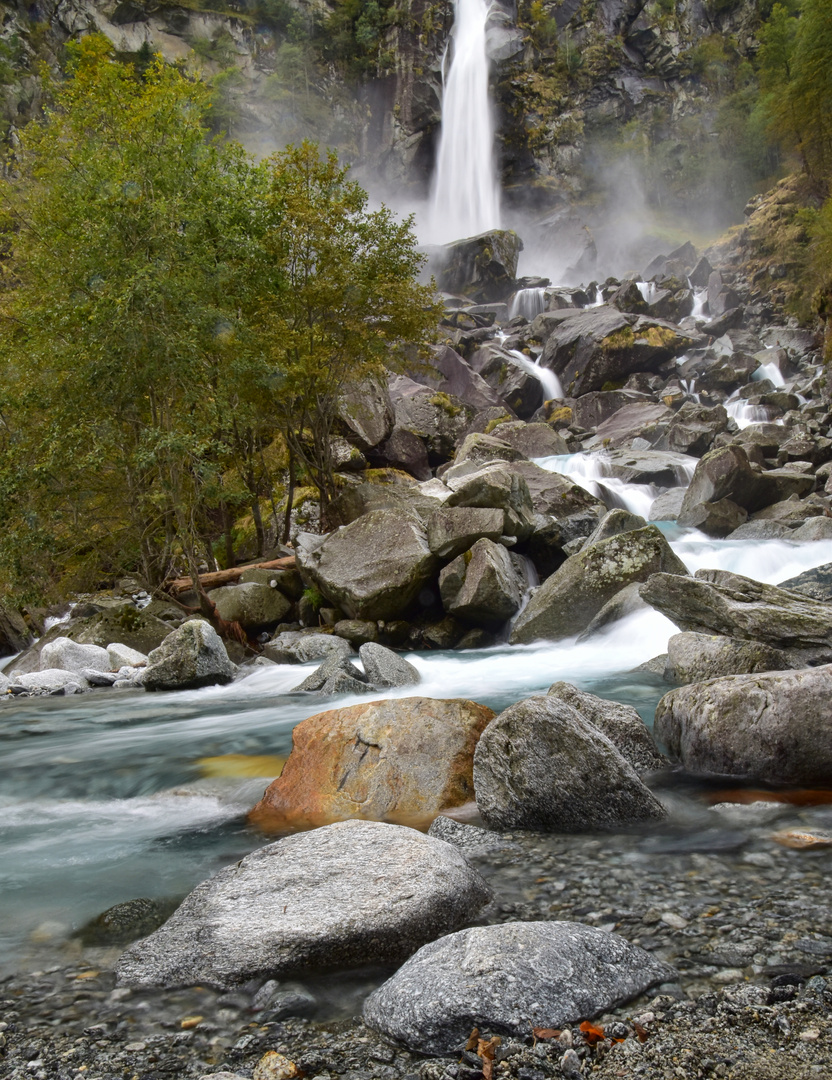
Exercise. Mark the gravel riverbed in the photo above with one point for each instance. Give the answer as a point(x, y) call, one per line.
point(746, 921)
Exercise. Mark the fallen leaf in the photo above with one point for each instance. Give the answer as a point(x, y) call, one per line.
point(801, 840)
point(591, 1034)
point(190, 1022)
point(486, 1049)
point(242, 765)
point(642, 1032)
point(545, 1033)
point(473, 1039)
point(88, 975)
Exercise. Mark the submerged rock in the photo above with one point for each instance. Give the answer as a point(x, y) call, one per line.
point(189, 657)
point(508, 979)
point(348, 895)
point(541, 764)
point(566, 602)
point(772, 727)
point(402, 759)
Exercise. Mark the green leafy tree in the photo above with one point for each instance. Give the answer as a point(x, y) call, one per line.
point(351, 308)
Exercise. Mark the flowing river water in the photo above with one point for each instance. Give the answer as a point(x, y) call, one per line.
point(108, 796)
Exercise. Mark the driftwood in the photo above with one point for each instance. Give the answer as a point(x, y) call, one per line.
point(224, 577)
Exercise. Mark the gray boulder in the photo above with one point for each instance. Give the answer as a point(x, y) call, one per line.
point(694, 657)
point(624, 603)
point(454, 529)
point(601, 345)
point(541, 764)
point(336, 675)
point(373, 568)
point(346, 895)
point(514, 384)
point(121, 656)
point(445, 370)
point(384, 668)
point(508, 979)
point(667, 506)
point(252, 605)
point(620, 723)
point(718, 602)
point(693, 429)
point(296, 647)
point(640, 420)
point(470, 838)
point(191, 656)
point(15, 635)
point(405, 450)
point(663, 468)
point(772, 727)
point(816, 583)
point(557, 495)
point(532, 440)
point(613, 523)
point(68, 655)
point(479, 449)
point(436, 417)
point(356, 631)
point(50, 681)
point(566, 602)
point(367, 412)
point(481, 586)
point(482, 267)
point(499, 486)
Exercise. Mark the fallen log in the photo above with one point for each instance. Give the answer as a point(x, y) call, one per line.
point(176, 586)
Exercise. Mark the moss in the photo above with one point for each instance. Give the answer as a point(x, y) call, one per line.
point(613, 385)
point(444, 401)
point(659, 337)
point(495, 423)
point(619, 340)
point(387, 476)
point(562, 416)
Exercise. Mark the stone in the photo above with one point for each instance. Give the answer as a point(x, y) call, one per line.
point(70, 656)
point(125, 922)
point(724, 473)
point(513, 383)
point(287, 582)
point(384, 668)
point(370, 894)
point(328, 678)
point(613, 523)
point(816, 583)
point(254, 606)
point(694, 657)
point(121, 656)
point(454, 529)
point(481, 586)
point(295, 647)
point(356, 631)
point(718, 602)
point(661, 467)
point(620, 723)
point(469, 838)
point(508, 978)
point(99, 678)
point(401, 759)
point(480, 449)
point(719, 518)
point(532, 440)
point(625, 602)
point(5, 683)
point(191, 656)
point(542, 765)
point(566, 602)
point(591, 410)
point(552, 493)
point(771, 727)
point(497, 486)
point(693, 429)
point(641, 420)
point(367, 412)
point(15, 635)
point(761, 530)
point(816, 528)
point(596, 346)
point(274, 1066)
point(403, 449)
point(50, 680)
point(437, 418)
point(126, 625)
point(482, 267)
point(444, 370)
point(667, 506)
point(373, 568)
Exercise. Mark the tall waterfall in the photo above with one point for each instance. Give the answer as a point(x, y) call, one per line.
point(466, 192)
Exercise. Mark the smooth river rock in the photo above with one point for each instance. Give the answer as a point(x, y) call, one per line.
point(373, 568)
point(773, 727)
point(403, 759)
point(541, 764)
point(347, 895)
point(569, 599)
point(694, 657)
point(384, 668)
point(68, 655)
point(508, 979)
point(191, 656)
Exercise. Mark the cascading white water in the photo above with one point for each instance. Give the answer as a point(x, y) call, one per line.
point(466, 191)
point(548, 379)
point(527, 302)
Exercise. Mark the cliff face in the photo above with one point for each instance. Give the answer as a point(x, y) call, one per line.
point(576, 82)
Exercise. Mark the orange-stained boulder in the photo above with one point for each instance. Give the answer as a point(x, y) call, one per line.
point(402, 760)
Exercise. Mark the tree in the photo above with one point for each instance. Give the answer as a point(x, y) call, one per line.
point(129, 238)
point(351, 306)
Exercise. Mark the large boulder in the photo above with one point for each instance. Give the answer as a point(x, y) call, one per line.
point(384, 668)
point(352, 894)
point(438, 419)
point(252, 605)
point(373, 568)
point(403, 759)
point(366, 412)
point(600, 345)
point(508, 979)
point(454, 529)
point(50, 681)
point(191, 656)
point(482, 267)
point(70, 656)
point(694, 657)
point(532, 440)
point(125, 624)
point(541, 764)
point(773, 727)
point(446, 371)
point(495, 485)
point(481, 586)
point(513, 383)
point(404, 450)
point(555, 494)
point(640, 420)
point(297, 647)
point(620, 723)
point(566, 602)
point(693, 429)
point(718, 602)
point(815, 583)
point(661, 467)
point(479, 448)
point(15, 635)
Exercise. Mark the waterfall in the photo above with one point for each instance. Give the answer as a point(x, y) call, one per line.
point(466, 192)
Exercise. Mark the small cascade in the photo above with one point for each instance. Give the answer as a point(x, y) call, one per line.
point(689, 386)
point(548, 379)
point(648, 290)
point(700, 297)
point(591, 471)
point(466, 190)
point(769, 371)
point(746, 414)
point(527, 302)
